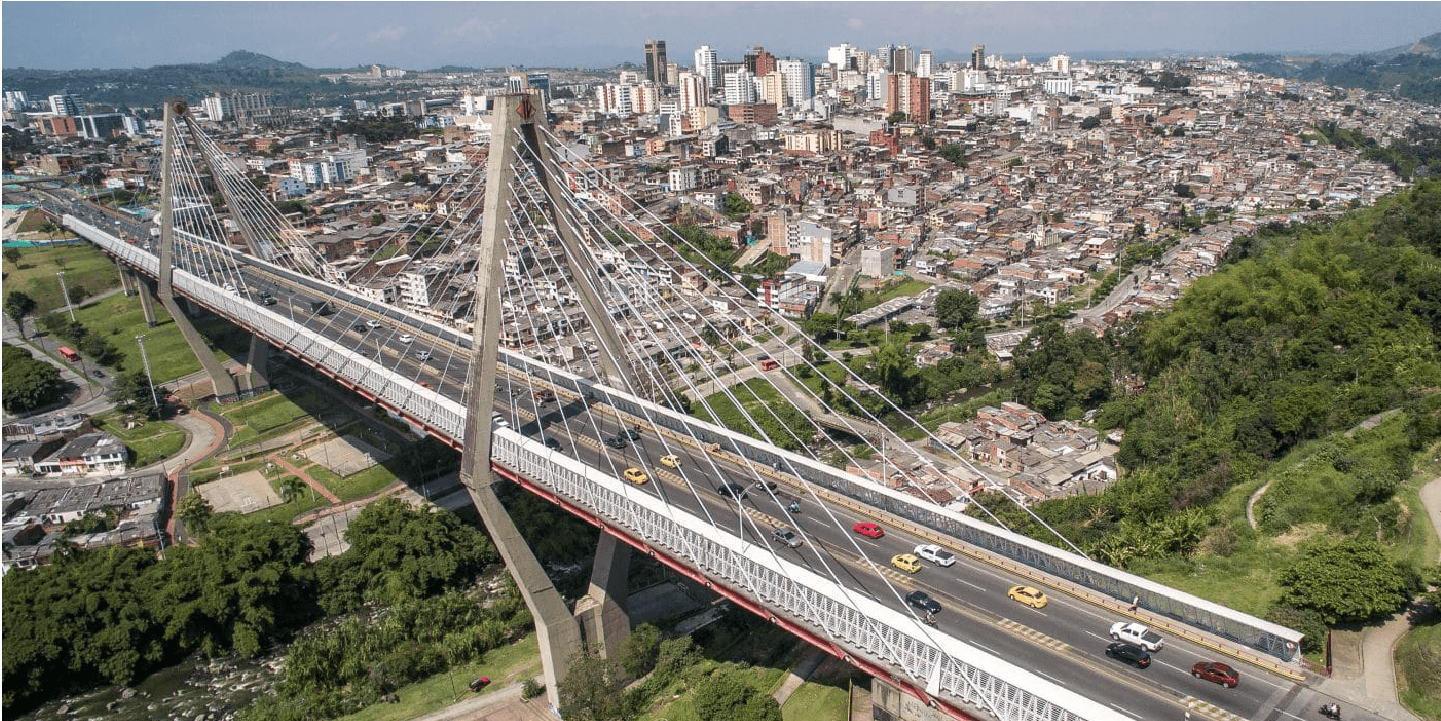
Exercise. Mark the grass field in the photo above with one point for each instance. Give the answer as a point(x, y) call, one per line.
point(359, 485)
point(288, 511)
point(818, 702)
point(119, 319)
point(1418, 666)
point(84, 265)
point(505, 666)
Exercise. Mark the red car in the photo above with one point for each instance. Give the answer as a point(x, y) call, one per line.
point(869, 530)
point(1216, 672)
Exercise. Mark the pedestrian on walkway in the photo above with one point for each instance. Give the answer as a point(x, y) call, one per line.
point(1135, 603)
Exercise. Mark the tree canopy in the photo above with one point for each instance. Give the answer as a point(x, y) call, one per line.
point(1347, 580)
point(29, 383)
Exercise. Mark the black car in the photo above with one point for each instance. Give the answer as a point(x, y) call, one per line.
point(616, 442)
point(552, 444)
point(731, 490)
point(632, 433)
point(360, 327)
point(98, 373)
point(1130, 653)
point(923, 601)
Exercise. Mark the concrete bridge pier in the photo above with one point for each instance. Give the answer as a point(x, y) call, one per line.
point(602, 612)
point(147, 304)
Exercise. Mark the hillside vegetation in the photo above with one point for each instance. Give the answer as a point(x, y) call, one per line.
point(1254, 377)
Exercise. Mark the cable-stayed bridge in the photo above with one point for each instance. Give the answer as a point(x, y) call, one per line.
point(534, 310)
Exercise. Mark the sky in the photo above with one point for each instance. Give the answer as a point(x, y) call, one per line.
point(426, 35)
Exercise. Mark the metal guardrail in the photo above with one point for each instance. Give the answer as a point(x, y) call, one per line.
point(943, 665)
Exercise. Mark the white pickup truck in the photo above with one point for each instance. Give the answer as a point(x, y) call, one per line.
point(1137, 633)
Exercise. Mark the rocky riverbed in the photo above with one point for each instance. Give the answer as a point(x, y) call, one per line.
point(195, 690)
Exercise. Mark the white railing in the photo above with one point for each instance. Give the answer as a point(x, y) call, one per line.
point(447, 418)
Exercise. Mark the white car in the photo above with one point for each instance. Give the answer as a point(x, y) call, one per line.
point(1137, 633)
point(373, 323)
point(407, 338)
point(935, 554)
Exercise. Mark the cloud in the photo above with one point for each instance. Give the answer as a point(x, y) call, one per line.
point(389, 33)
point(474, 29)
point(854, 23)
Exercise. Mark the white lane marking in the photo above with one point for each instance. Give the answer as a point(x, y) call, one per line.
point(1287, 713)
point(1043, 674)
point(1123, 710)
point(972, 585)
point(985, 648)
point(1167, 665)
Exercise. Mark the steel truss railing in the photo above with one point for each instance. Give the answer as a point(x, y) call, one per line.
point(446, 418)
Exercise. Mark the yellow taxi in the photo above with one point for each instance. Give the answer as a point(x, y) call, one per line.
point(635, 475)
point(670, 461)
point(906, 562)
point(1029, 595)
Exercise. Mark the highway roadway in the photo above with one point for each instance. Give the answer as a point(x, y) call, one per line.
point(1063, 642)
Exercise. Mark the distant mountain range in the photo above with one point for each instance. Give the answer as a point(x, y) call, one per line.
point(1411, 71)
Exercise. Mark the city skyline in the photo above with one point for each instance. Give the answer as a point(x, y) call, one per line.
point(426, 35)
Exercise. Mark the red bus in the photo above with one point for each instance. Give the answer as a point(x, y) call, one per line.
point(768, 364)
point(68, 354)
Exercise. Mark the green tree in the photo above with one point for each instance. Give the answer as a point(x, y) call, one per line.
point(736, 206)
point(18, 306)
point(593, 689)
point(13, 255)
point(134, 392)
point(195, 512)
point(377, 219)
point(29, 383)
point(726, 696)
point(1093, 121)
point(1183, 190)
point(237, 590)
point(1347, 580)
point(77, 293)
point(401, 552)
point(896, 117)
point(953, 152)
point(955, 308)
point(638, 653)
point(291, 488)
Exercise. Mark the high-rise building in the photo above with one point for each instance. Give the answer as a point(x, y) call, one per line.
point(707, 67)
point(1061, 63)
point(903, 60)
point(909, 94)
point(16, 100)
point(655, 61)
point(225, 107)
point(884, 53)
point(740, 87)
point(66, 104)
point(101, 127)
point(765, 63)
point(541, 82)
point(978, 57)
point(925, 64)
point(692, 91)
point(800, 84)
point(773, 89)
point(842, 56)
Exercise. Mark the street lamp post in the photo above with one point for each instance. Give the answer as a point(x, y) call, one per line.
point(65, 295)
point(150, 380)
